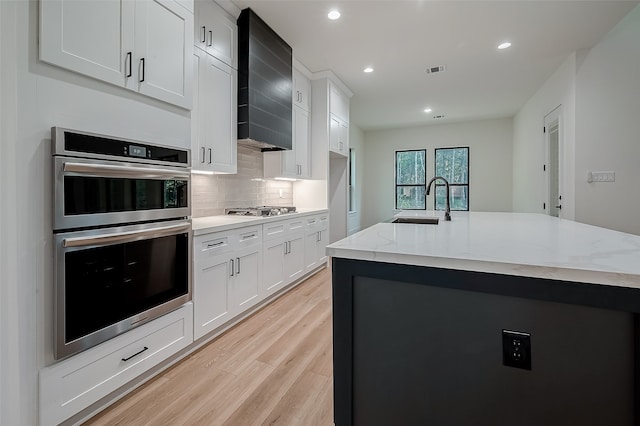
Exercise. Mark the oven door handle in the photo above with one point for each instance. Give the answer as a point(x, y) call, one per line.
point(105, 170)
point(123, 237)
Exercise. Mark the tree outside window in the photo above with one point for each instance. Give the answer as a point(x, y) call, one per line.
point(411, 174)
point(453, 165)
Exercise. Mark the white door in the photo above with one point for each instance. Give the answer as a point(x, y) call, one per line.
point(246, 280)
point(310, 250)
point(211, 299)
point(294, 260)
point(301, 141)
point(218, 108)
point(163, 51)
point(552, 123)
point(94, 38)
point(323, 240)
point(273, 254)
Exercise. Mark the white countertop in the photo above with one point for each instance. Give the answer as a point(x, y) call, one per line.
point(206, 225)
point(521, 244)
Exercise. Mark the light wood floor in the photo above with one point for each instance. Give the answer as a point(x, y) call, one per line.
point(275, 367)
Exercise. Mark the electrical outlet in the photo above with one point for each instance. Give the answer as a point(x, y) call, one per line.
point(516, 349)
point(601, 177)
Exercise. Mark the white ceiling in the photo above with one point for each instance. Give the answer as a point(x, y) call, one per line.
point(401, 38)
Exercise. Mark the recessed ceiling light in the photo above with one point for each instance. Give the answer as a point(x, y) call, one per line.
point(427, 110)
point(368, 69)
point(333, 15)
point(504, 45)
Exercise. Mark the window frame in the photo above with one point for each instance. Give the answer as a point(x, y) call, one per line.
point(439, 183)
point(396, 184)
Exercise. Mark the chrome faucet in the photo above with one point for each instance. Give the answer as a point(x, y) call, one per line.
point(447, 212)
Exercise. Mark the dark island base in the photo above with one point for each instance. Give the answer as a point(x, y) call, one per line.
point(423, 346)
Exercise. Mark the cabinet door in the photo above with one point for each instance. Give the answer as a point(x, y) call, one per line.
point(198, 149)
point(273, 275)
point(334, 134)
point(343, 143)
point(217, 105)
point(91, 38)
point(163, 51)
point(302, 91)
point(301, 142)
point(220, 33)
point(323, 240)
point(246, 280)
point(294, 260)
point(310, 250)
point(339, 104)
point(211, 300)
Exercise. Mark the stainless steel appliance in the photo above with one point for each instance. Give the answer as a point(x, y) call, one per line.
point(122, 235)
point(260, 211)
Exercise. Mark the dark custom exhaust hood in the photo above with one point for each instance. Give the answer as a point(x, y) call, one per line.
point(264, 85)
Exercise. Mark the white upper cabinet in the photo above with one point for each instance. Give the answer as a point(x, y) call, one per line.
point(339, 103)
point(301, 91)
point(91, 38)
point(295, 163)
point(143, 45)
point(162, 36)
point(216, 32)
point(214, 129)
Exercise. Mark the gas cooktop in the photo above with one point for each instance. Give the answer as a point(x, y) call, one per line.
point(260, 211)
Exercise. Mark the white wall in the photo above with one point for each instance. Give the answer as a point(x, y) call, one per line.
point(36, 97)
point(490, 163)
point(12, 409)
point(529, 143)
point(608, 128)
point(356, 142)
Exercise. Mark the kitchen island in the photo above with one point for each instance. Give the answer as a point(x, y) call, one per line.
point(490, 319)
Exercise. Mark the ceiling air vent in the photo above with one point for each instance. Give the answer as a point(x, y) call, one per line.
point(433, 70)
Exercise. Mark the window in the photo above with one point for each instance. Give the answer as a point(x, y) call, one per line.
point(411, 175)
point(453, 165)
point(352, 180)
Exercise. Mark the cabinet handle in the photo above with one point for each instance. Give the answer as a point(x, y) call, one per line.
point(232, 267)
point(285, 247)
point(136, 354)
point(210, 155)
point(128, 61)
point(202, 151)
point(218, 244)
point(204, 31)
point(210, 39)
point(248, 236)
point(318, 236)
point(237, 266)
point(142, 73)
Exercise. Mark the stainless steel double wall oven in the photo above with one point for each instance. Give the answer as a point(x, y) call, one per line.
point(122, 235)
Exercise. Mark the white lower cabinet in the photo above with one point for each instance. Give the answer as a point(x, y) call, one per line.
point(72, 385)
point(228, 272)
point(316, 238)
point(283, 250)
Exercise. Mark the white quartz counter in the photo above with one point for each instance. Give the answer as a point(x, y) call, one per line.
point(206, 225)
point(520, 244)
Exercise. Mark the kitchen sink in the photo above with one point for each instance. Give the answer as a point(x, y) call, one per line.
point(423, 220)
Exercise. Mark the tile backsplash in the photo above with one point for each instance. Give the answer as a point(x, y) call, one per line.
point(211, 194)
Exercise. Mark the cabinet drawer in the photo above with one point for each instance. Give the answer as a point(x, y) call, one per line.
point(213, 245)
point(72, 385)
point(248, 237)
point(274, 230)
point(296, 225)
